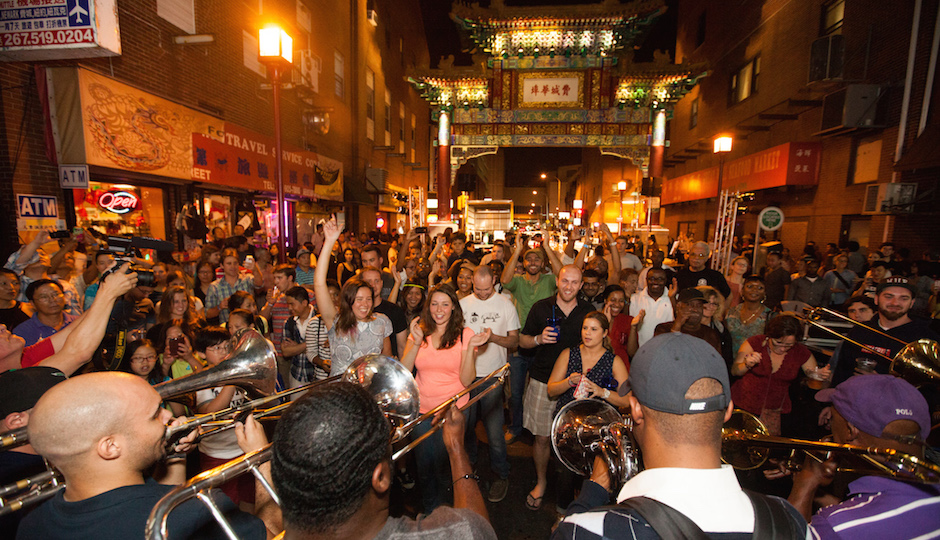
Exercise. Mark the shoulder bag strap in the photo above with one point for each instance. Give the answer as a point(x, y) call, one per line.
point(842, 279)
point(771, 520)
point(668, 522)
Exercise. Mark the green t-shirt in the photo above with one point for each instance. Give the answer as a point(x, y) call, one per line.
point(525, 294)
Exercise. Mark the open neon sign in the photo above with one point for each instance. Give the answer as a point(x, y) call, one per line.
point(118, 202)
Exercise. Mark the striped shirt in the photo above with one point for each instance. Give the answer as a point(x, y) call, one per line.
point(882, 508)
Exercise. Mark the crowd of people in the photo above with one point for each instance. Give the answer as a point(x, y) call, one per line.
point(672, 343)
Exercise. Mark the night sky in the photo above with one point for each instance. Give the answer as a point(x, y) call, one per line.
point(523, 165)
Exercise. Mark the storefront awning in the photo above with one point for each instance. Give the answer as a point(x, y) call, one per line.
point(790, 164)
point(923, 153)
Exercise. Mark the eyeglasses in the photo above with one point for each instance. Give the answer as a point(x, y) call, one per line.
point(221, 347)
point(148, 358)
point(711, 303)
point(781, 345)
point(48, 297)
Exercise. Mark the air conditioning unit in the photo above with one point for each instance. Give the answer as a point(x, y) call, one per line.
point(306, 70)
point(895, 198)
point(853, 107)
point(827, 55)
point(375, 180)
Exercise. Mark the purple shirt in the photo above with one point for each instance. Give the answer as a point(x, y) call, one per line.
point(882, 508)
point(33, 330)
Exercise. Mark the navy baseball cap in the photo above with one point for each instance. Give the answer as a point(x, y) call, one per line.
point(666, 366)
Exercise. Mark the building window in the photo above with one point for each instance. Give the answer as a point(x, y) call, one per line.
point(700, 31)
point(744, 81)
point(339, 69)
point(401, 128)
point(370, 104)
point(388, 118)
point(304, 17)
point(414, 122)
point(693, 114)
point(250, 54)
point(180, 13)
point(833, 13)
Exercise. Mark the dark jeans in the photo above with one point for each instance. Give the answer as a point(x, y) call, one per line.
point(518, 369)
point(434, 476)
point(490, 410)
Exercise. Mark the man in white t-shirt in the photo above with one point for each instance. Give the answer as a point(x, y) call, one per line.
point(627, 259)
point(486, 309)
point(654, 302)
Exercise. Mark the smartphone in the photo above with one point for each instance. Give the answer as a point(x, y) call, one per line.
point(174, 346)
point(582, 231)
point(341, 221)
point(421, 230)
point(59, 234)
point(79, 234)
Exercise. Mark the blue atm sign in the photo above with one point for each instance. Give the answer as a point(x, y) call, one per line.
point(37, 206)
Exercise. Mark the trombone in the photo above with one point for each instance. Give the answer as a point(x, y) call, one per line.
point(918, 362)
point(252, 366)
point(746, 445)
point(390, 384)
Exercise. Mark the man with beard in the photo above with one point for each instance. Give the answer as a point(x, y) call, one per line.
point(592, 288)
point(690, 304)
point(552, 325)
point(103, 431)
point(526, 290)
point(894, 298)
point(654, 303)
point(695, 273)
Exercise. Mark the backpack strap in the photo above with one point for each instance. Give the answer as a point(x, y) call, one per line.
point(771, 519)
point(665, 520)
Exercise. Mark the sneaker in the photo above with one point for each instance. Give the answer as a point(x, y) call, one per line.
point(498, 490)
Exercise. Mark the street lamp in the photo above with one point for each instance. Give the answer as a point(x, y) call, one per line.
point(276, 52)
point(535, 192)
point(558, 180)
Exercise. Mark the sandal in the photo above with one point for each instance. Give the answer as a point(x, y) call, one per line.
point(533, 503)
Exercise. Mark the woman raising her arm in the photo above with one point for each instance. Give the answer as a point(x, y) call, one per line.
point(354, 330)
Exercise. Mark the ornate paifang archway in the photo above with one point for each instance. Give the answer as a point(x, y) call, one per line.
point(553, 76)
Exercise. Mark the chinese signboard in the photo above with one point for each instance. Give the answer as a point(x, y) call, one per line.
point(790, 164)
point(550, 91)
point(58, 29)
point(241, 158)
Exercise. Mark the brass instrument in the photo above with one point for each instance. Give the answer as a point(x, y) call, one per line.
point(252, 366)
point(746, 445)
point(390, 385)
point(918, 362)
point(587, 428)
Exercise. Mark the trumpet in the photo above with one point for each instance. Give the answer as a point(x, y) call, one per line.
point(746, 445)
point(918, 362)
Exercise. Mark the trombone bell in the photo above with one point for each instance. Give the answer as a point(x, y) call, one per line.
point(918, 363)
point(251, 366)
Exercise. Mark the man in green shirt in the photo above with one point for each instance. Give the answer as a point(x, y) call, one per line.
point(527, 289)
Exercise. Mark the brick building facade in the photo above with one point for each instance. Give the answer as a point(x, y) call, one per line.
point(767, 87)
point(221, 79)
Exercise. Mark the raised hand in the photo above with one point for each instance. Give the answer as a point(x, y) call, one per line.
point(416, 332)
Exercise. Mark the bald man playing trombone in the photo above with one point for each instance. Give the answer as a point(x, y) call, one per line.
point(104, 432)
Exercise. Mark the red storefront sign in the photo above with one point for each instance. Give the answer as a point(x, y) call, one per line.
point(790, 164)
point(242, 158)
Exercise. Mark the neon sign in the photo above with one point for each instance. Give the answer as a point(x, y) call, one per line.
point(118, 202)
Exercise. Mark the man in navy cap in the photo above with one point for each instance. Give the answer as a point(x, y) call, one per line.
point(680, 398)
point(876, 411)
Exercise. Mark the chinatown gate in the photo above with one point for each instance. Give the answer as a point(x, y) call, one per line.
point(552, 76)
